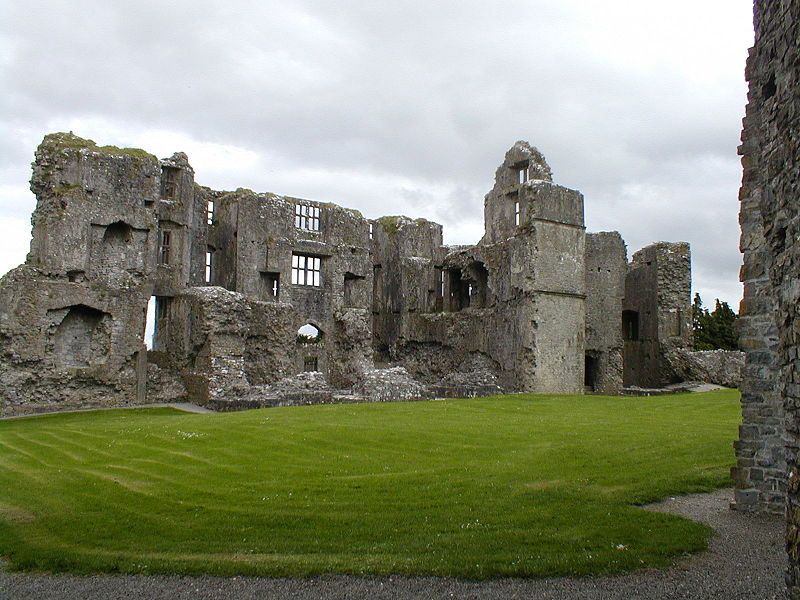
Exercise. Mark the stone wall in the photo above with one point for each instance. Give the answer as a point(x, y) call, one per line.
point(72, 318)
point(606, 268)
point(760, 472)
point(771, 160)
point(256, 238)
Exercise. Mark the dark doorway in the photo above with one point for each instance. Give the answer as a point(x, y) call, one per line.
point(590, 372)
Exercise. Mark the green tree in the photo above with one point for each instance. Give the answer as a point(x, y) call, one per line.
point(716, 329)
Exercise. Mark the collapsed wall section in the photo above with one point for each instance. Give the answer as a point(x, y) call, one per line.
point(223, 343)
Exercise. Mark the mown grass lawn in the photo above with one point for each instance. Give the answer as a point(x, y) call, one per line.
point(505, 486)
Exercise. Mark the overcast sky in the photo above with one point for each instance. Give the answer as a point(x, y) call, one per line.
point(400, 107)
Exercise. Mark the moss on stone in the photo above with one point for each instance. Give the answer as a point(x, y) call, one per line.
point(67, 140)
point(64, 141)
point(65, 189)
point(390, 224)
point(136, 152)
point(237, 192)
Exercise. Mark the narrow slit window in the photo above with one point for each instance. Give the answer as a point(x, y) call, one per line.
point(270, 286)
point(209, 264)
point(306, 270)
point(516, 214)
point(306, 217)
point(165, 247)
point(210, 212)
point(370, 231)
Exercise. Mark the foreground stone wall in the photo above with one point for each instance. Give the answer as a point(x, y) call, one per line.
point(760, 472)
point(771, 160)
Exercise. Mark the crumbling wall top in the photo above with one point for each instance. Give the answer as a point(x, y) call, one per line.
point(178, 160)
point(522, 162)
point(69, 141)
point(392, 224)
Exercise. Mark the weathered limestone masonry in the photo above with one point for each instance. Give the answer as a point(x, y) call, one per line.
point(655, 318)
point(263, 300)
point(768, 205)
point(760, 472)
point(68, 312)
point(606, 272)
point(770, 192)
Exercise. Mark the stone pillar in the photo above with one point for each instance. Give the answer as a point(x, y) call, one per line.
point(760, 471)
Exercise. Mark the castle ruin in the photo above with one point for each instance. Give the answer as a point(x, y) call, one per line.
point(263, 300)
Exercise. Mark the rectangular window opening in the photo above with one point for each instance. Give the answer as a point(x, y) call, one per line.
point(169, 182)
point(270, 286)
point(209, 264)
point(516, 214)
point(306, 270)
point(164, 248)
point(310, 363)
point(210, 212)
point(306, 217)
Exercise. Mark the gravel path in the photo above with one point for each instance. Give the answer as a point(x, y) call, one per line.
point(745, 561)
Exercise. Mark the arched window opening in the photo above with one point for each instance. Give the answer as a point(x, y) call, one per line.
point(309, 334)
point(119, 232)
point(80, 337)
